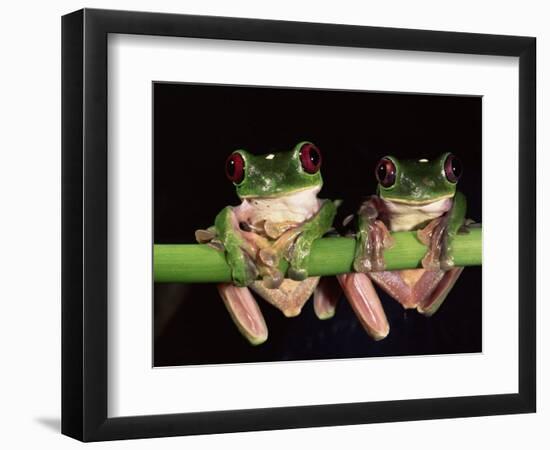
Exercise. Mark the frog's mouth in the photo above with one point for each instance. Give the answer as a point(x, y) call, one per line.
point(419, 203)
point(433, 208)
point(306, 192)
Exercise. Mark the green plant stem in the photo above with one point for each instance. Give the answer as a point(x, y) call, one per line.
point(199, 263)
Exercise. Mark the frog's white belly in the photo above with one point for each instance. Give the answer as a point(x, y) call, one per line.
point(297, 207)
point(405, 217)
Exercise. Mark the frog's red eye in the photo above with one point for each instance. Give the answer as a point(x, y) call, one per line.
point(310, 157)
point(234, 168)
point(453, 168)
point(385, 172)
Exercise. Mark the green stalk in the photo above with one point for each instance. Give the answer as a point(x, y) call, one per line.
point(199, 263)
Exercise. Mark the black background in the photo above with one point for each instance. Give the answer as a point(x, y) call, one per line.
point(197, 126)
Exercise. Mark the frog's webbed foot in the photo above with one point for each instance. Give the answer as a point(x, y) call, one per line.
point(420, 289)
point(269, 256)
point(371, 245)
point(240, 246)
point(271, 276)
point(245, 312)
point(373, 237)
point(467, 226)
point(439, 235)
point(432, 302)
point(436, 236)
point(209, 237)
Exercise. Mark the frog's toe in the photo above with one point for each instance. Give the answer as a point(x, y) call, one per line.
point(464, 229)
point(430, 263)
point(378, 265)
point(361, 265)
point(467, 225)
point(204, 236)
point(216, 244)
point(269, 257)
point(243, 272)
point(447, 263)
point(273, 280)
point(297, 274)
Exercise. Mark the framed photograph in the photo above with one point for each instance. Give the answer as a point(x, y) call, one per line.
point(273, 224)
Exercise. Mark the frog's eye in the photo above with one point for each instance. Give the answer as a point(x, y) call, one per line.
point(453, 168)
point(234, 168)
point(385, 172)
point(310, 157)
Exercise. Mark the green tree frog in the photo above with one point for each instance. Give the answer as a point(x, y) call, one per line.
point(279, 217)
point(416, 195)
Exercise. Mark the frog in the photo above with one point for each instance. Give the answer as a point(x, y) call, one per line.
point(417, 195)
point(279, 218)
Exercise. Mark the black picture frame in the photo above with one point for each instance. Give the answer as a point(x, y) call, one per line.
point(84, 224)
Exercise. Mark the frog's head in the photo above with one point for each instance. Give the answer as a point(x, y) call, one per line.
point(275, 174)
point(420, 181)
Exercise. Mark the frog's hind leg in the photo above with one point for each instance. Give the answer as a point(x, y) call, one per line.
point(408, 287)
point(244, 311)
point(432, 302)
point(364, 300)
point(422, 289)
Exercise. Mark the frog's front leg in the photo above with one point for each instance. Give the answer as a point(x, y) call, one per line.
point(240, 253)
point(299, 249)
point(440, 233)
point(372, 238)
point(240, 250)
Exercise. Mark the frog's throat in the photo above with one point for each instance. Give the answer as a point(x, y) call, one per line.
point(314, 190)
point(411, 202)
point(296, 206)
point(407, 216)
